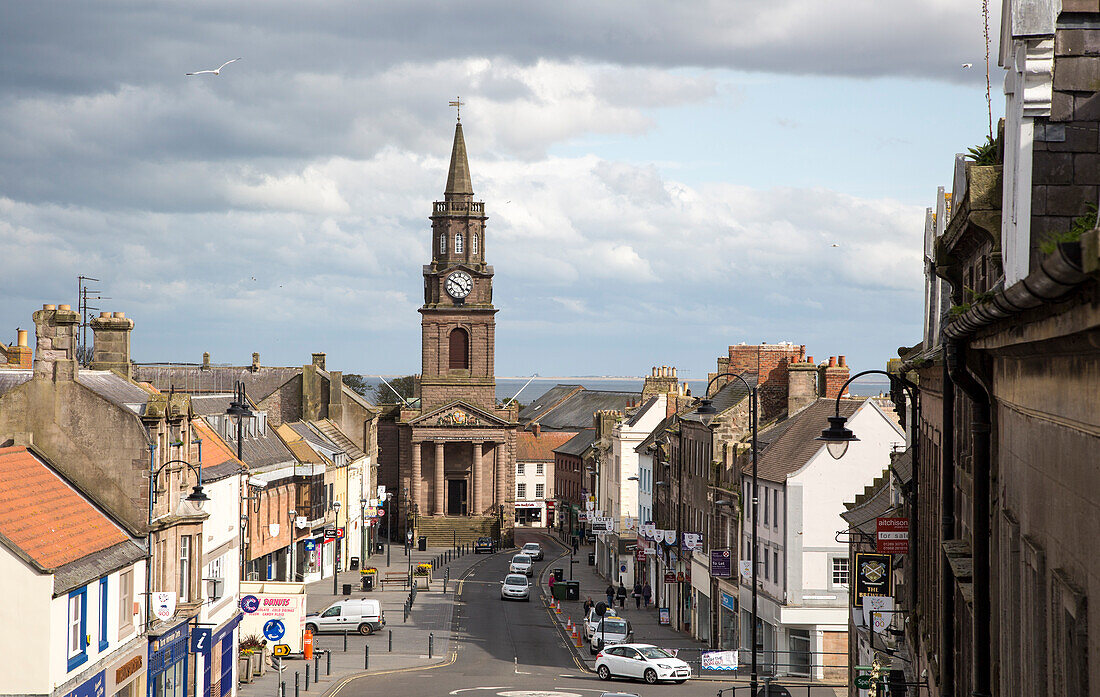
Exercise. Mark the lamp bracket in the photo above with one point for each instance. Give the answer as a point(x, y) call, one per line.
point(845, 537)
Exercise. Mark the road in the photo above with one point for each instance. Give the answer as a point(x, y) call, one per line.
point(510, 649)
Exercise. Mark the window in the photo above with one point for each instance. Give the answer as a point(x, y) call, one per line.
point(519, 467)
point(473, 244)
point(765, 506)
point(521, 490)
point(539, 468)
point(215, 574)
point(458, 243)
point(840, 571)
point(103, 614)
point(1070, 638)
point(443, 244)
point(185, 569)
point(459, 349)
point(775, 565)
point(540, 490)
point(125, 602)
point(767, 566)
point(775, 507)
point(331, 612)
point(76, 636)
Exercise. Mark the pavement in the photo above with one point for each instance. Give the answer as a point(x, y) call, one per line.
point(402, 645)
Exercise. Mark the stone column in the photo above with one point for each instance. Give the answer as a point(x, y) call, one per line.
point(478, 504)
point(439, 479)
point(502, 476)
point(415, 476)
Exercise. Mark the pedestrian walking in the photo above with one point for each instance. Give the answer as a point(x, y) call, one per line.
point(576, 544)
point(647, 594)
point(551, 584)
point(610, 592)
point(621, 595)
point(588, 605)
point(637, 595)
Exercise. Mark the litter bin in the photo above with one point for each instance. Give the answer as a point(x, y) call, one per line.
point(422, 543)
point(379, 547)
point(347, 589)
point(572, 590)
point(591, 558)
point(558, 591)
point(368, 582)
point(354, 564)
point(559, 574)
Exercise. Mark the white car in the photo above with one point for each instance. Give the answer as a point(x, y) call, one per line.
point(363, 615)
point(593, 619)
point(515, 587)
point(610, 630)
point(641, 662)
point(533, 550)
point(521, 564)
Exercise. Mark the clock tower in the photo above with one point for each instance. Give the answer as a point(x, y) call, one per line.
point(458, 322)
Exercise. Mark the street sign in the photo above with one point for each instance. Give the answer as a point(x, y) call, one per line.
point(893, 535)
point(200, 640)
point(874, 576)
point(720, 563)
point(863, 682)
point(381, 491)
point(309, 545)
point(330, 533)
point(274, 630)
point(281, 650)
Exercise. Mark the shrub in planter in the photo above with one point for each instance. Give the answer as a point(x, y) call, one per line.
point(422, 570)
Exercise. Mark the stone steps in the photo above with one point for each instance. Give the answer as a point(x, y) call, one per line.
point(443, 531)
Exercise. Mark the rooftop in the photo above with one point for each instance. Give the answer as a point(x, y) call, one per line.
point(530, 447)
point(788, 445)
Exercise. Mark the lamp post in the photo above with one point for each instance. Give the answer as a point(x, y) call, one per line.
point(389, 531)
point(336, 550)
point(837, 437)
point(293, 570)
point(364, 550)
point(707, 412)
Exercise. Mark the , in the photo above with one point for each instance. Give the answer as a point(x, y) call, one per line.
point(641, 662)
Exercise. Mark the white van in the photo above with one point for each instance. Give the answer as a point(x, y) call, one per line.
point(363, 615)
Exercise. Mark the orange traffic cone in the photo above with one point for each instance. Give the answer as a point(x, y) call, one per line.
point(557, 607)
point(576, 637)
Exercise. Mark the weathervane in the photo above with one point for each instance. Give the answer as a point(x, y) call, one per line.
point(457, 104)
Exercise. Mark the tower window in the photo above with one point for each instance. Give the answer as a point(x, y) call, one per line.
point(458, 243)
point(473, 244)
point(459, 345)
point(443, 244)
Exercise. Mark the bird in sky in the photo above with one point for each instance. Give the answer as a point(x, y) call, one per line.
point(215, 71)
point(968, 65)
point(835, 245)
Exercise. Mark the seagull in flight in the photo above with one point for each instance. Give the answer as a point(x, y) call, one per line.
point(215, 71)
point(968, 65)
point(835, 245)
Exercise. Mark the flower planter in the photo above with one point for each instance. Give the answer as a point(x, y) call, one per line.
point(244, 668)
point(421, 582)
point(256, 661)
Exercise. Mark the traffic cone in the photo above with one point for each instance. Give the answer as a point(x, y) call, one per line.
point(557, 607)
point(577, 637)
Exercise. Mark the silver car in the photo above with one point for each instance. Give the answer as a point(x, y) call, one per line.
point(533, 550)
point(515, 587)
point(608, 631)
point(521, 564)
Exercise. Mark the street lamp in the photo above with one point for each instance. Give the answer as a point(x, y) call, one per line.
point(364, 549)
point(293, 569)
point(707, 413)
point(238, 409)
point(336, 550)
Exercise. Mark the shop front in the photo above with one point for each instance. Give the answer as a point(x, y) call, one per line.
point(168, 662)
point(125, 677)
point(530, 513)
point(217, 659)
point(727, 616)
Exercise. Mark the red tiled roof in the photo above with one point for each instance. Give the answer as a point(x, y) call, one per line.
point(531, 447)
point(44, 515)
point(214, 449)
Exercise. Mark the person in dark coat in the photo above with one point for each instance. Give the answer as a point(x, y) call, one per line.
point(587, 605)
point(621, 594)
point(576, 544)
point(637, 595)
point(610, 592)
point(647, 594)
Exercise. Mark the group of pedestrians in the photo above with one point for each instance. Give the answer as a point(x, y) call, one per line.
point(641, 593)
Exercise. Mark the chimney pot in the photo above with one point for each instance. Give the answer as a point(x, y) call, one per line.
point(49, 307)
point(119, 315)
point(843, 363)
point(64, 307)
point(104, 314)
point(673, 371)
point(832, 361)
point(22, 337)
point(205, 359)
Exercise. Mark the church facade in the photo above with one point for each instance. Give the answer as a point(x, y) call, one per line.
point(450, 459)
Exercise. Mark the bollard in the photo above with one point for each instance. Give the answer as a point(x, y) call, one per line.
point(307, 677)
point(391, 640)
point(366, 657)
point(345, 641)
point(431, 641)
point(316, 668)
point(295, 683)
point(282, 688)
point(328, 663)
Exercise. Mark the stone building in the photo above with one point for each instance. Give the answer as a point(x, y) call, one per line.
point(450, 458)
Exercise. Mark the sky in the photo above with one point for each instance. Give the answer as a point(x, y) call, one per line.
point(662, 179)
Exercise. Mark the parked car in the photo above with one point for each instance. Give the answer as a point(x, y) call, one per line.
point(592, 619)
point(363, 615)
point(515, 587)
point(533, 550)
point(608, 631)
point(521, 564)
point(640, 662)
point(484, 544)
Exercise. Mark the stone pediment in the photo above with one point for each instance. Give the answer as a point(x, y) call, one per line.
point(458, 415)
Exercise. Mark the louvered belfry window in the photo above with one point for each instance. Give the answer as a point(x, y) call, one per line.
point(459, 349)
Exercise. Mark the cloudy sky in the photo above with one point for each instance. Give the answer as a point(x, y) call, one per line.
point(662, 179)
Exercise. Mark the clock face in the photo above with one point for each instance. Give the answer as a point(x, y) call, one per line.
point(458, 285)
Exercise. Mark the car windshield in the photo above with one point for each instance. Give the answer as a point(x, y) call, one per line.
point(616, 626)
point(531, 545)
point(521, 559)
point(516, 580)
point(654, 652)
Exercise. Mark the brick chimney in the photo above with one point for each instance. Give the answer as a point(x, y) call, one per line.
point(55, 342)
point(336, 395)
point(661, 380)
point(19, 355)
point(802, 385)
point(536, 428)
point(111, 347)
point(255, 361)
point(319, 361)
point(833, 375)
point(206, 360)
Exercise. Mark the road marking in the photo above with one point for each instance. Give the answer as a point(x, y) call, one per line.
point(536, 693)
point(515, 660)
point(472, 689)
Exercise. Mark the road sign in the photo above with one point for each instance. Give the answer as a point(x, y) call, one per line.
point(330, 533)
point(281, 650)
point(274, 630)
point(863, 682)
point(893, 535)
point(200, 640)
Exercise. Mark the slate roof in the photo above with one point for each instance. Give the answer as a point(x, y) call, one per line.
point(45, 517)
point(194, 378)
point(334, 434)
point(787, 446)
point(218, 460)
point(874, 502)
point(578, 444)
point(728, 396)
point(299, 446)
point(262, 450)
point(211, 404)
point(638, 413)
point(572, 409)
point(13, 377)
point(548, 399)
point(115, 389)
point(530, 447)
point(315, 438)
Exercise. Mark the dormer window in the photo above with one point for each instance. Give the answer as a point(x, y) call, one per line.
point(458, 243)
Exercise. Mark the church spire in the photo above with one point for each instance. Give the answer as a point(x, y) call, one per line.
point(458, 174)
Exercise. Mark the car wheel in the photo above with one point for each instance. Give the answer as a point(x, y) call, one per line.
point(604, 673)
point(311, 627)
point(650, 676)
point(365, 629)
